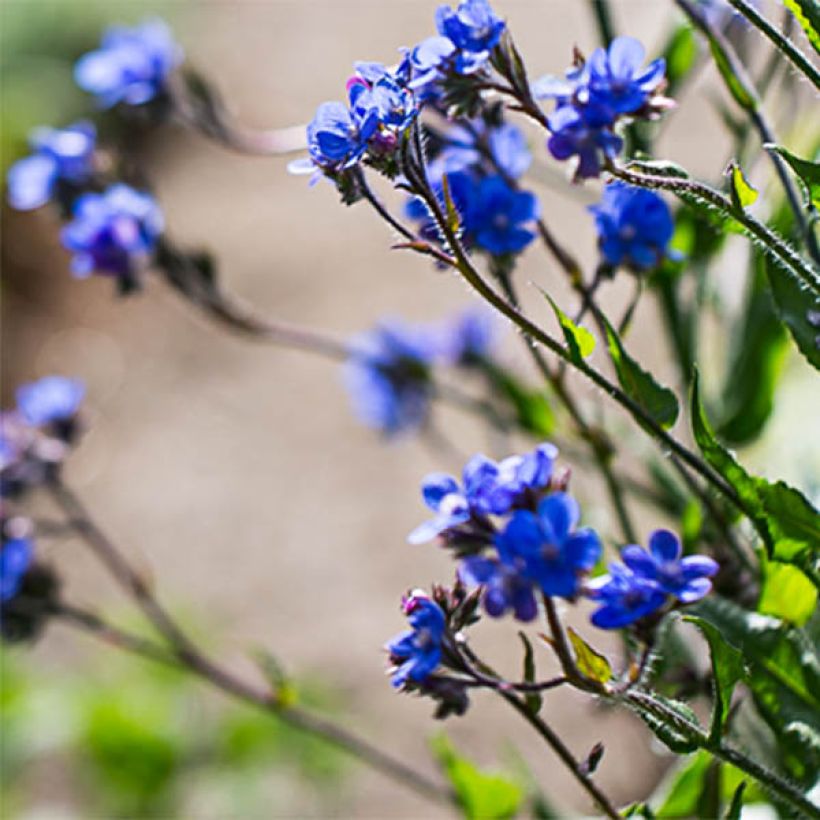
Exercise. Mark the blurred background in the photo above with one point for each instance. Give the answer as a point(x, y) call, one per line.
point(235, 474)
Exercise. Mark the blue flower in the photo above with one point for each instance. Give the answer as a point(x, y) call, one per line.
point(60, 155)
point(470, 336)
point(462, 187)
point(687, 579)
point(427, 63)
point(505, 588)
point(131, 66)
point(625, 597)
point(49, 400)
point(473, 29)
point(583, 132)
point(388, 377)
point(616, 79)
point(488, 488)
point(497, 215)
point(546, 548)
point(15, 558)
point(462, 150)
point(634, 226)
point(417, 652)
point(111, 231)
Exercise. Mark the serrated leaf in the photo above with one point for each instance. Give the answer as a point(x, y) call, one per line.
point(658, 401)
point(533, 699)
point(807, 13)
point(787, 593)
point(591, 663)
point(808, 172)
point(742, 193)
point(727, 670)
point(580, 342)
point(481, 796)
point(785, 520)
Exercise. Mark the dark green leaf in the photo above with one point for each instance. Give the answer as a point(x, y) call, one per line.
point(727, 670)
point(580, 342)
point(733, 812)
point(742, 193)
point(591, 662)
point(658, 401)
point(807, 13)
point(676, 737)
point(787, 593)
point(481, 796)
point(742, 95)
point(807, 172)
point(533, 699)
point(658, 167)
point(759, 346)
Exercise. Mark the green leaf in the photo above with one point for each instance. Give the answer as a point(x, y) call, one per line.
point(453, 219)
point(787, 593)
point(808, 172)
point(532, 409)
point(591, 663)
point(533, 699)
point(785, 520)
point(658, 167)
point(481, 796)
point(807, 13)
point(742, 193)
point(742, 95)
point(580, 342)
point(658, 401)
point(733, 812)
point(681, 795)
point(675, 736)
point(680, 54)
point(758, 354)
point(727, 670)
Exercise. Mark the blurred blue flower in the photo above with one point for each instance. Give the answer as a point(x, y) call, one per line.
point(583, 132)
point(16, 555)
point(625, 597)
point(131, 65)
point(427, 63)
point(616, 79)
point(634, 226)
point(60, 155)
point(687, 579)
point(109, 232)
point(417, 652)
point(388, 376)
point(546, 548)
point(474, 29)
point(497, 214)
point(463, 145)
point(50, 399)
point(470, 336)
point(488, 488)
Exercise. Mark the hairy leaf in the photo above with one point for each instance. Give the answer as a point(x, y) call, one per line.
point(580, 342)
point(591, 662)
point(743, 194)
point(808, 172)
point(807, 13)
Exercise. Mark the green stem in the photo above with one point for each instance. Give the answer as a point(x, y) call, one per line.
point(603, 19)
point(783, 44)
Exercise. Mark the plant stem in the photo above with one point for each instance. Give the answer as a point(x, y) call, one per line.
point(783, 44)
point(184, 652)
point(603, 19)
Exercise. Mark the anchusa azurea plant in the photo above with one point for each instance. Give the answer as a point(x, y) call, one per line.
point(452, 129)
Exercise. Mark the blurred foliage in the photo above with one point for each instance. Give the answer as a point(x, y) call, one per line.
point(137, 740)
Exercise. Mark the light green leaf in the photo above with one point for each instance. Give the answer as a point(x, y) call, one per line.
point(453, 219)
point(786, 593)
point(807, 13)
point(580, 342)
point(680, 53)
point(481, 796)
point(808, 172)
point(727, 670)
point(742, 193)
point(681, 796)
point(592, 663)
point(658, 401)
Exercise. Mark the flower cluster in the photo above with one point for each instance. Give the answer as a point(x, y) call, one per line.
point(595, 96)
point(60, 158)
point(389, 372)
point(112, 233)
point(131, 66)
point(647, 579)
point(634, 226)
point(481, 160)
point(36, 435)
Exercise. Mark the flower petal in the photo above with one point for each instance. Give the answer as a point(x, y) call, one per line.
point(664, 545)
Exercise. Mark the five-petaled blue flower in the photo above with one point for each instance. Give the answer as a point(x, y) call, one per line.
point(388, 376)
point(488, 488)
point(417, 652)
point(60, 155)
point(634, 226)
point(625, 597)
point(474, 29)
point(111, 231)
point(497, 215)
point(546, 548)
point(584, 132)
point(15, 558)
point(49, 400)
point(131, 65)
